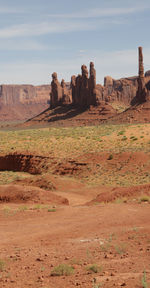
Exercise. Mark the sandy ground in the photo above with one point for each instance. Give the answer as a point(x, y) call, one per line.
point(65, 221)
point(116, 237)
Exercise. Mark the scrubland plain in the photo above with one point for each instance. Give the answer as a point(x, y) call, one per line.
point(74, 207)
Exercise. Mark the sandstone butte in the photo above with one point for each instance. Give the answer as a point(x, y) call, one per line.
point(20, 102)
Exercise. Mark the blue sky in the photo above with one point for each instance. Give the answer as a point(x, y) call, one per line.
point(38, 37)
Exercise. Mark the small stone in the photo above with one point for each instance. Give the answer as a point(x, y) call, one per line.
point(39, 259)
point(123, 284)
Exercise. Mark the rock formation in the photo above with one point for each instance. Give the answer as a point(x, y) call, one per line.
point(78, 90)
point(143, 91)
point(63, 84)
point(108, 81)
point(92, 85)
point(84, 88)
point(122, 90)
point(84, 91)
point(60, 94)
point(20, 102)
point(66, 94)
point(24, 94)
point(56, 92)
point(139, 111)
point(73, 88)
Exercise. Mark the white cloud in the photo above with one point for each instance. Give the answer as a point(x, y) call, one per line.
point(24, 45)
point(98, 12)
point(64, 23)
point(117, 64)
point(43, 29)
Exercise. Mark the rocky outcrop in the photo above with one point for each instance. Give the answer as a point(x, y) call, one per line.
point(86, 92)
point(139, 111)
point(143, 91)
point(66, 94)
point(20, 102)
point(73, 89)
point(82, 92)
point(56, 92)
point(60, 94)
point(122, 90)
point(108, 81)
point(130, 91)
point(24, 94)
point(92, 85)
point(84, 89)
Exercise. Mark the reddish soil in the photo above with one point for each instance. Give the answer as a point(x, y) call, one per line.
point(82, 167)
point(27, 194)
point(105, 113)
point(70, 116)
point(122, 193)
point(23, 162)
point(135, 114)
point(20, 112)
point(115, 236)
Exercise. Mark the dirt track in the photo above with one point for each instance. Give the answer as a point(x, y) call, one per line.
point(113, 236)
point(39, 230)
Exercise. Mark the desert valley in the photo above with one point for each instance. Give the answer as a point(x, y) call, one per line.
point(75, 182)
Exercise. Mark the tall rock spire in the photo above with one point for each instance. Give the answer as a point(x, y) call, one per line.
point(142, 91)
point(141, 65)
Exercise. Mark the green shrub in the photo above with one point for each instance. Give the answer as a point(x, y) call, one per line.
point(110, 157)
point(145, 199)
point(51, 210)
point(2, 265)
point(124, 138)
point(121, 132)
point(120, 249)
point(144, 281)
point(62, 269)
point(94, 268)
point(23, 208)
point(133, 138)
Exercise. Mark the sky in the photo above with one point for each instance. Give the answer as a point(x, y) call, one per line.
point(39, 37)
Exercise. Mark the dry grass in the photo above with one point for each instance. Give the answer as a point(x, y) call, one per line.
point(69, 142)
point(7, 177)
point(62, 142)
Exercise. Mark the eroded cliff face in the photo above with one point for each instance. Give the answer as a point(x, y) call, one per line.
point(85, 92)
point(24, 94)
point(122, 90)
point(20, 102)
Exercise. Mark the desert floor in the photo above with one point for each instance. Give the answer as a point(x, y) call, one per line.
point(75, 207)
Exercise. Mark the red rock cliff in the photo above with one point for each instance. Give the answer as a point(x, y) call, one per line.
point(20, 102)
